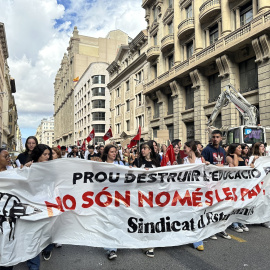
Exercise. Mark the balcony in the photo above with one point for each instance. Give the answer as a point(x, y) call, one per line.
point(167, 43)
point(153, 53)
point(209, 10)
point(186, 28)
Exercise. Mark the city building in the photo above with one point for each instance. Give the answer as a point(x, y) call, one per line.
point(19, 144)
point(45, 131)
point(195, 48)
point(82, 51)
point(128, 72)
point(92, 103)
point(8, 110)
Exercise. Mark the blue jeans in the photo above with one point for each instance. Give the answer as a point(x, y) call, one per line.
point(33, 264)
point(236, 224)
point(109, 250)
point(195, 245)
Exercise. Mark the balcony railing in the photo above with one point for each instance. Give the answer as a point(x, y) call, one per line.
point(186, 27)
point(208, 4)
point(209, 10)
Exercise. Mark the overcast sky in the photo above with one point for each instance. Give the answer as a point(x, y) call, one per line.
point(38, 33)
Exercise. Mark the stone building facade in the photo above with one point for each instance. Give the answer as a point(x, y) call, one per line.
point(197, 47)
point(128, 72)
point(82, 51)
point(8, 109)
point(92, 103)
point(45, 131)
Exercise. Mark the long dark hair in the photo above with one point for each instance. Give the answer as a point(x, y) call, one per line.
point(192, 145)
point(106, 151)
point(256, 149)
point(26, 147)
point(243, 146)
point(179, 160)
point(39, 150)
point(231, 149)
point(153, 155)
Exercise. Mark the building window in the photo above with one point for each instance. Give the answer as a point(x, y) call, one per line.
point(156, 108)
point(139, 77)
point(127, 85)
point(98, 91)
point(140, 121)
point(189, 49)
point(117, 92)
point(214, 87)
point(170, 104)
point(213, 34)
point(171, 132)
point(246, 13)
point(139, 99)
point(155, 39)
point(218, 122)
point(170, 61)
point(170, 27)
point(98, 104)
point(155, 130)
point(155, 13)
point(98, 79)
point(189, 97)
point(155, 70)
point(128, 105)
point(98, 116)
point(117, 108)
point(189, 11)
point(170, 3)
point(190, 131)
point(128, 125)
point(248, 75)
point(99, 128)
point(118, 128)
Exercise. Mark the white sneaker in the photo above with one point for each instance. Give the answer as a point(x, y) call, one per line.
point(213, 237)
point(266, 224)
point(244, 228)
point(237, 229)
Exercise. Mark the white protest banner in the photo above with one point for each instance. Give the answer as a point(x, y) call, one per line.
point(81, 202)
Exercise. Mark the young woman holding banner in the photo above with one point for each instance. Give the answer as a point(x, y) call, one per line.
point(194, 156)
point(258, 151)
point(110, 156)
point(234, 159)
point(40, 153)
point(148, 158)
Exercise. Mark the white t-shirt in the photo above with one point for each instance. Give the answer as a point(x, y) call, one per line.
point(198, 160)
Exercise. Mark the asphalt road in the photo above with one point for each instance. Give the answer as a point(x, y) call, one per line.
point(247, 250)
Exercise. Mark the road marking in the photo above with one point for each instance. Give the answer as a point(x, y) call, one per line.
point(237, 238)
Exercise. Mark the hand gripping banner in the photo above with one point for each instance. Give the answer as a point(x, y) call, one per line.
point(81, 202)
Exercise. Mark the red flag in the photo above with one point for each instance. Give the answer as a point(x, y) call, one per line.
point(78, 143)
point(59, 147)
point(91, 136)
point(137, 138)
point(108, 135)
point(169, 157)
point(83, 145)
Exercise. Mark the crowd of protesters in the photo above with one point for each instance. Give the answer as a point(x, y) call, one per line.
point(144, 155)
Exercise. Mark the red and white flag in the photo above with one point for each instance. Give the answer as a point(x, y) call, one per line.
point(91, 136)
point(78, 143)
point(168, 157)
point(135, 140)
point(83, 145)
point(108, 134)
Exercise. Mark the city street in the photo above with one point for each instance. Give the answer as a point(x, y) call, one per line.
point(248, 250)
